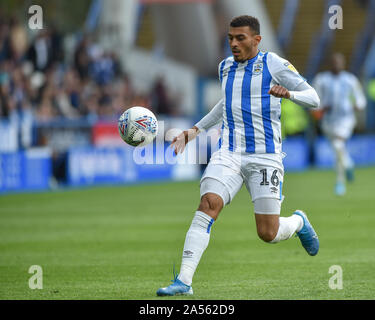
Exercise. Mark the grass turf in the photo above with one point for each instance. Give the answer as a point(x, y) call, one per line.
point(121, 243)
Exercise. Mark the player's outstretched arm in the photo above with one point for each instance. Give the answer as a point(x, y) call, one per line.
point(209, 120)
point(212, 118)
point(179, 143)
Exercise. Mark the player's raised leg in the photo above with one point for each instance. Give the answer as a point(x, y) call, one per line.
point(265, 186)
point(272, 228)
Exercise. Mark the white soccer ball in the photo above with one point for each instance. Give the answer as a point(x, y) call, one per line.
point(138, 126)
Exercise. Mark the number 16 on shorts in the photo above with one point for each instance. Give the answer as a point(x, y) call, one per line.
point(272, 180)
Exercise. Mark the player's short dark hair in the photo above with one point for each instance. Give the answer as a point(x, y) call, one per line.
point(245, 20)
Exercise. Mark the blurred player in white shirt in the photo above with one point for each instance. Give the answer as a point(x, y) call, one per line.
point(253, 83)
point(340, 93)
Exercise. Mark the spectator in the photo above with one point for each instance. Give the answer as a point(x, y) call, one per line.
point(4, 41)
point(82, 58)
point(17, 41)
point(40, 52)
point(7, 103)
point(36, 81)
point(160, 99)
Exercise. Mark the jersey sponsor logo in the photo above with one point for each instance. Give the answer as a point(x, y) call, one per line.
point(290, 67)
point(257, 68)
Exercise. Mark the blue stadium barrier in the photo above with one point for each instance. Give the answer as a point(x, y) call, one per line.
point(116, 165)
point(361, 148)
point(29, 170)
point(297, 154)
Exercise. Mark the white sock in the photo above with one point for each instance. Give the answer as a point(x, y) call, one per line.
point(287, 227)
point(341, 158)
point(346, 158)
point(196, 242)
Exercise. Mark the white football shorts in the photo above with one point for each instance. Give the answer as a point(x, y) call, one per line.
point(340, 129)
point(262, 174)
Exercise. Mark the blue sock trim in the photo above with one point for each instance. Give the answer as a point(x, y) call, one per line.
point(210, 225)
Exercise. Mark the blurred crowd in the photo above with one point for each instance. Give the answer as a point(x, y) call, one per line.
point(37, 81)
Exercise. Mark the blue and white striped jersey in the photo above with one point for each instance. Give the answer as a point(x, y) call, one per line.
point(251, 116)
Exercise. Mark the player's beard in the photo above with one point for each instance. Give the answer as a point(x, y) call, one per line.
point(243, 56)
point(245, 53)
point(237, 58)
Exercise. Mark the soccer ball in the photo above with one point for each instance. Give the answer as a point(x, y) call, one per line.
point(138, 126)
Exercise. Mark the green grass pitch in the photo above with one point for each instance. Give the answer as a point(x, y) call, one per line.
point(121, 242)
